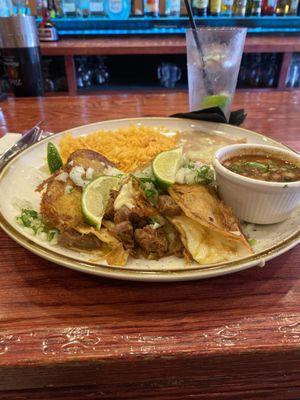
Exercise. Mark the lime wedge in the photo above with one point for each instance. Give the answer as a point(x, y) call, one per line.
point(166, 165)
point(53, 158)
point(216, 100)
point(95, 197)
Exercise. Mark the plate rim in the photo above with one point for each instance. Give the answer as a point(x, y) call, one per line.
point(118, 272)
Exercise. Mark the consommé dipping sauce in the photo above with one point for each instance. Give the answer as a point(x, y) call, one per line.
point(263, 168)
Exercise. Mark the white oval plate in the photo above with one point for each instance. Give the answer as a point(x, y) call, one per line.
point(19, 178)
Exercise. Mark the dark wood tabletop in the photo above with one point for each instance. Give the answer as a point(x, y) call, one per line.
point(66, 335)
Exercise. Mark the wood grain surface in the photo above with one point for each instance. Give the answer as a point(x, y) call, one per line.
point(159, 45)
point(66, 335)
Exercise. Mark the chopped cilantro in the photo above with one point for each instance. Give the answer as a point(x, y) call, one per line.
point(31, 219)
point(251, 241)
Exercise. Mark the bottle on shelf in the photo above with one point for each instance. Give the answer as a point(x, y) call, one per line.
point(200, 7)
point(226, 8)
point(21, 7)
point(151, 8)
point(97, 8)
point(292, 7)
point(215, 7)
point(172, 8)
point(83, 8)
point(137, 8)
point(249, 5)
point(117, 9)
point(281, 8)
point(51, 7)
point(183, 11)
point(69, 8)
point(256, 8)
point(239, 8)
point(58, 7)
point(268, 7)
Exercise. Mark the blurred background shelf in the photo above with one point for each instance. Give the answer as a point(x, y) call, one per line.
point(166, 26)
point(142, 55)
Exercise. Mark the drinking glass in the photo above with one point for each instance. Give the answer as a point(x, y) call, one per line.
point(213, 69)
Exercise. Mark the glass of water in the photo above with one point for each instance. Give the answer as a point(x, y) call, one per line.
point(213, 67)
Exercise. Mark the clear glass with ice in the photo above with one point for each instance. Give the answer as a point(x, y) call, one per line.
point(213, 69)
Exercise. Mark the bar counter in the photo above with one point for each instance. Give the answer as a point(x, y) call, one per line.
point(66, 335)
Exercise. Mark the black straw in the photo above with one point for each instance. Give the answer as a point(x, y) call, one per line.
point(206, 80)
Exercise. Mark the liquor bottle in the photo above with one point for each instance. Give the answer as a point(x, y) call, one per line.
point(256, 8)
point(268, 7)
point(83, 8)
point(281, 8)
point(51, 7)
point(39, 5)
point(239, 8)
point(58, 7)
point(137, 8)
point(172, 8)
point(227, 8)
point(151, 8)
point(200, 7)
point(117, 9)
point(292, 7)
point(249, 5)
point(69, 8)
point(96, 8)
point(183, 11)
point(215, 7)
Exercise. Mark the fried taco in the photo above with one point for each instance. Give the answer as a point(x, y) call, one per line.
point(207, 227)
point(61, 207)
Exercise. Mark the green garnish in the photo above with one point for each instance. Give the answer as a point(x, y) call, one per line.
point(149, 187)
point(237, 168)
point(205, 175)
point(257, 165)
point(51, 234)
point(53, 158)
point(252, 241)
point(31, 219)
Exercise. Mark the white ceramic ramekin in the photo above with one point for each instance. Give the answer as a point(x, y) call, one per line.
point(252, 200)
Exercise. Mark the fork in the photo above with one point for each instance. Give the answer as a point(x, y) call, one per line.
point(30, 137)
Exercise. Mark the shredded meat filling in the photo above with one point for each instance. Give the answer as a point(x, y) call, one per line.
point(124, 231)
point(167, 206)
point(153, 241)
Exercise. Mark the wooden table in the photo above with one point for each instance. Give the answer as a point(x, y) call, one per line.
point(66, 335)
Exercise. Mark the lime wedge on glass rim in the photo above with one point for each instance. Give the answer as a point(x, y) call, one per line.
point(166, 165)
point(215, 100)
point(53, 158)
point(95, 197)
